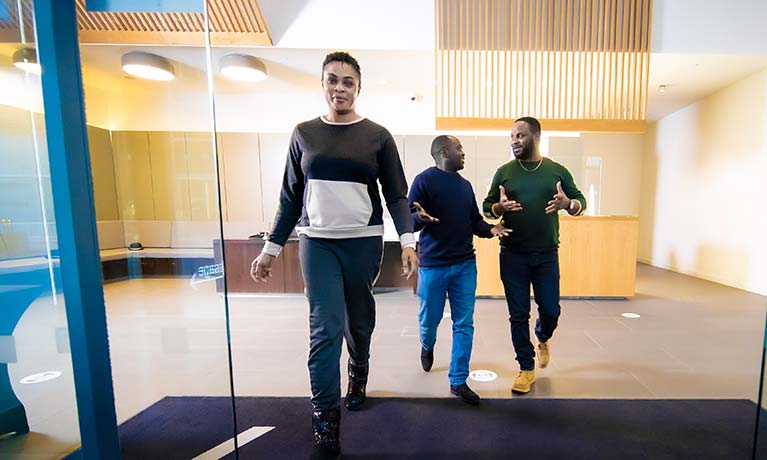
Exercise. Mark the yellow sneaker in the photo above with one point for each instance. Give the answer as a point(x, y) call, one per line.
point(543, 354)
point(523, 382)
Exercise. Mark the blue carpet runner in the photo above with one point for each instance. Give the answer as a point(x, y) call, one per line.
point(446, 429)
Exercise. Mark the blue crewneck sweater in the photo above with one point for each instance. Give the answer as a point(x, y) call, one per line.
point(450, 198)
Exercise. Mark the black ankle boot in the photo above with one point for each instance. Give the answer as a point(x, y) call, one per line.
point(427, 359)
point(326, 425)
point(358, 380)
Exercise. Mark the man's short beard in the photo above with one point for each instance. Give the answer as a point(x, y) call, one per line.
point(526, 153)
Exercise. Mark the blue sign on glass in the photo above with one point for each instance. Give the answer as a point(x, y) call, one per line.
point(5, 12)
point(146, 6)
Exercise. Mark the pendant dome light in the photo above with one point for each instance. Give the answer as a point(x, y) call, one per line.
point(148, 66)
point(26, 60)
point(242, 67)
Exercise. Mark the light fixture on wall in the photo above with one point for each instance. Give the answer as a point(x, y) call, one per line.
point(148, 66)
point(26, 60)
point(242, 67)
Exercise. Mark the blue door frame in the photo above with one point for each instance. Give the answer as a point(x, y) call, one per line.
point(59, 55)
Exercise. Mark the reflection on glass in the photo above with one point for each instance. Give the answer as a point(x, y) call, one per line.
point(37, 401)
point(153, 158)
point(592, 184)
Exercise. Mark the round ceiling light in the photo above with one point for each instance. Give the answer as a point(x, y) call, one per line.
point(26, 60)
point(242, 67)
point(148, 66)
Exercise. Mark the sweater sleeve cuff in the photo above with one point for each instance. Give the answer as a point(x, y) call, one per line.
point(407, 240)
point(273, 249)
point(580, 207)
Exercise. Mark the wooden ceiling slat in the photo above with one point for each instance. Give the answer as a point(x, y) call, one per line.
point(214, 18)
point(227, 25)
point(160, 21)
point(232, 23)
point(235, 12)
point(85, 21)
point(254, 16)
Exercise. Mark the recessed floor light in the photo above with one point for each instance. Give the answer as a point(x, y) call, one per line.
point(41, 377)
point(482, 375)
point(631, 315)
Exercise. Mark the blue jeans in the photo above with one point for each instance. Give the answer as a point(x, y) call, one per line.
point(458, 282)
point(518, 271)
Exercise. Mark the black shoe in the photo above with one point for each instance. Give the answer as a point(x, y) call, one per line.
point(326, 425)
point(427, 359)
point(358, 380)
point(464, 392)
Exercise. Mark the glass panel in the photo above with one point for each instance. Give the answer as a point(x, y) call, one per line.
point(38, 413)
point(760, 437)
point(158, 216)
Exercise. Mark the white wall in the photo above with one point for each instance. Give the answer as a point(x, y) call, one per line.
point(703, 206)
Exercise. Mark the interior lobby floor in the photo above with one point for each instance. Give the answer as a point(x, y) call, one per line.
point(693, 339)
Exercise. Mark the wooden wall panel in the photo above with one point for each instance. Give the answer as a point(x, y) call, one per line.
point(273, 153)
point(103, 173)
point(242, 173)
point(133, 171)
point(203, 187)
point(573, 64)
point(170, 175)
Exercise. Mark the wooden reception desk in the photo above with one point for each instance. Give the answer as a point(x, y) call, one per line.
point(286, 272)
point(597, 258)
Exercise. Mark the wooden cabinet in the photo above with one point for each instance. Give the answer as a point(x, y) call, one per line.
point(239, 255)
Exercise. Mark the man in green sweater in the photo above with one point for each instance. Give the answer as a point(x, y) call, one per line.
point(527, 193)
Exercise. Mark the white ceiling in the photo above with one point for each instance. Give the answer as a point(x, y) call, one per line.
point(691, 77)
point(351, 25)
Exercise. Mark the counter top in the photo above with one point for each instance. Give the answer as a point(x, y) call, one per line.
point(123, 253)
point(602, 218)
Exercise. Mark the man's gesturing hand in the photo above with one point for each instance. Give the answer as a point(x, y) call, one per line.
point(422, 214)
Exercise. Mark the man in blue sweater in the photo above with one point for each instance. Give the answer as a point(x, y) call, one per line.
point(445, 210)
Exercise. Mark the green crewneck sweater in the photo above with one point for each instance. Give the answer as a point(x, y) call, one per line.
point(533, 229)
